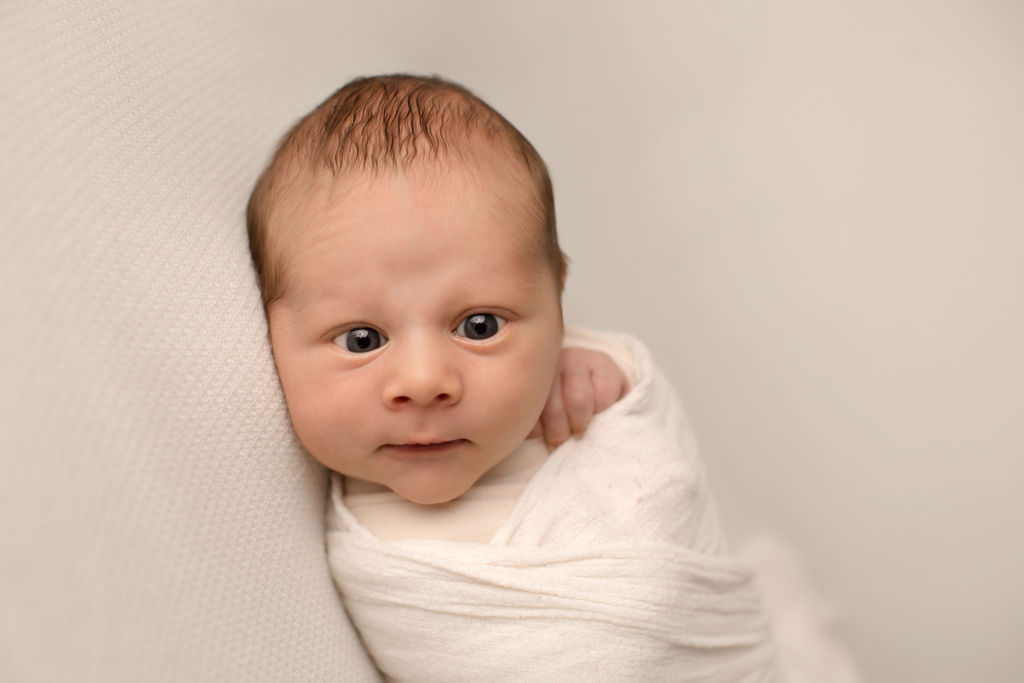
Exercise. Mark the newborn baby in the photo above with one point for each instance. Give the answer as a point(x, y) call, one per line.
point(404, 236)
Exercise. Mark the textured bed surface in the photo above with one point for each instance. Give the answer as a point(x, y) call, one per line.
point(160, 521)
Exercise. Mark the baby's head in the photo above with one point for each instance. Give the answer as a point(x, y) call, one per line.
point(404, 239)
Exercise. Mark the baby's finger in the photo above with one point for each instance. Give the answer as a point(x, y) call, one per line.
point(553, 418)
point(577, 391)
point(610, 383)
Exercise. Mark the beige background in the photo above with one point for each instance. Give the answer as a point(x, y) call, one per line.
point(811, 211)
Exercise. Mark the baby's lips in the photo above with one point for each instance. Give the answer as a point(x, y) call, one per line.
point(426, 446)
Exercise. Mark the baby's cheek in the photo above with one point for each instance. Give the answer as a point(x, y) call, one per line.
point(312, 415)
point(521, 397)
point(305, 421)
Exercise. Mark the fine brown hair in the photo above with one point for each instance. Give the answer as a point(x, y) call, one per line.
point(383, 123)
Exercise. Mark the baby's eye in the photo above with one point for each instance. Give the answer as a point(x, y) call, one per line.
point(361, 340)
point(480, 326)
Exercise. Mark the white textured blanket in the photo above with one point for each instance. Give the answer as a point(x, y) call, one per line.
point(611, 566)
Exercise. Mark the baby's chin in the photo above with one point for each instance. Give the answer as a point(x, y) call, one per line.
point(431, 495)
point(432, 487)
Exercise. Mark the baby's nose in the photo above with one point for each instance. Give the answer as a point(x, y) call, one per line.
point(422, 376)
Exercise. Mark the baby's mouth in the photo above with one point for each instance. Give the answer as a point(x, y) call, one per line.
point(425, 448)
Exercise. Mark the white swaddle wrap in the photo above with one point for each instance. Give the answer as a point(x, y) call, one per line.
point(611, 566)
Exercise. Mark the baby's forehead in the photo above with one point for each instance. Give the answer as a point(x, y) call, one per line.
point(318, 204)
point(499, 179)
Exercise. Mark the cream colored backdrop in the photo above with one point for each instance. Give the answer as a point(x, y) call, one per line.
point(812, 211)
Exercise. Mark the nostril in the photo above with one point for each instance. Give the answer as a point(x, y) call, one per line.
point(441, 398)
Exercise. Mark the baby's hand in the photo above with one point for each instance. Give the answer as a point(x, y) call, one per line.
point(586, 383)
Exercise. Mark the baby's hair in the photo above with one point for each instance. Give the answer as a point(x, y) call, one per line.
point(382, 123)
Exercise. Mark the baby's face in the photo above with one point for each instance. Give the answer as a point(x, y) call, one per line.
point(418, 337)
